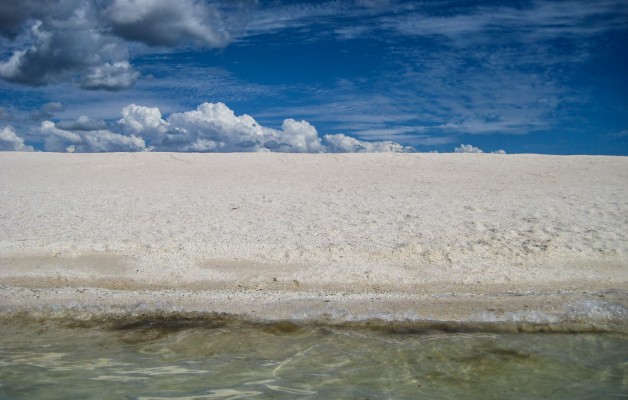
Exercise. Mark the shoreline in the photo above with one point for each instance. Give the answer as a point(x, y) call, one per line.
point(560, 312)
point(512, 242)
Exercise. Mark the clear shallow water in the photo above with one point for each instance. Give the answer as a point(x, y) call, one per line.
point(218, 359)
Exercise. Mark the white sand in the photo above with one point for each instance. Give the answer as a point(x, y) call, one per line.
point(420, 236)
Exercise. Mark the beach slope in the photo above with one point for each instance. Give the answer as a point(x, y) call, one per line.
point(338, 237)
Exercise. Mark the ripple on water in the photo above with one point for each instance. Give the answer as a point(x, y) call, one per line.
point(231, 359)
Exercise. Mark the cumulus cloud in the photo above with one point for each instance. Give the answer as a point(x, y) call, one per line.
point(211, 127)
point(70, 50)
point(467, 148)
point(145, 121)
point(340, 143)
point(85, 41)
point(10, 141)
point(215, 127)
point(168, 23)
point(101, 140)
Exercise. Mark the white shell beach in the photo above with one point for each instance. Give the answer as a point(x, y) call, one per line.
point(336, 237)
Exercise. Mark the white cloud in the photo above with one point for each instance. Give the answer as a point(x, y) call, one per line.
point(10, 141)
point(145, 121)
point(215, 127)
point(110, 76)
point(294, 137)
point(467, 148)
point(340, 143)
point(102, 140)
point(217, 123)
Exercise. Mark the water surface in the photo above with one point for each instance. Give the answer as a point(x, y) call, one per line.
point(220, 359)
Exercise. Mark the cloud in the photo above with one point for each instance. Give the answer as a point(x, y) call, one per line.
point(467, 148)
point(109, 76)
point(73, 49)
point(168, 23)
point(466, 21)
point(10, 141)
point(280, 16)
point(14, 14)
point(215, 127)
point(85, 41)
point(535, 20)
point(52, 107)
point(101, 140)
point(365, 115)
point(294, 137)
point(620, 134)
point(47, 111)
point(458, 63)
point(82, 123)
point(211, 127)
point(340, 143)
point(144, 121)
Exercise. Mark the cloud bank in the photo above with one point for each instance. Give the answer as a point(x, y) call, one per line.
point(211, 127)
point(215, 127)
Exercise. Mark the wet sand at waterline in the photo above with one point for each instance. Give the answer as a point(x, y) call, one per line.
point(460, 238)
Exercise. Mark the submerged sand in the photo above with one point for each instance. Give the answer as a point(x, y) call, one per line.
point(419, 237)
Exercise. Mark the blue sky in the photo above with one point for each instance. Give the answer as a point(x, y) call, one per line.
point(371, 75)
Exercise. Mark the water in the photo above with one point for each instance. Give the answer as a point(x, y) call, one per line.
point(222, 359)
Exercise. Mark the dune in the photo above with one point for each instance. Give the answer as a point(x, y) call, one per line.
point(469, 238)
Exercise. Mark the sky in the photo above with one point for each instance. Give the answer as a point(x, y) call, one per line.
point(541, 76)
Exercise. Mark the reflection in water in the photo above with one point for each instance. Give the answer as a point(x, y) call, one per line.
point(220, 359)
